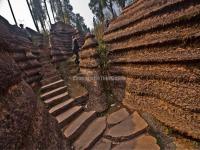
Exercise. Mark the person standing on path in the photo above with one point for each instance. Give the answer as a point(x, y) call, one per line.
point(75, 49)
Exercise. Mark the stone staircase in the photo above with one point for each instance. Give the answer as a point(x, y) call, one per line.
point(84, 129)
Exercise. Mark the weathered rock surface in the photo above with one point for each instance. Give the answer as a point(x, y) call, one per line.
point(61, 41)
point(85, 130)
point(91, 135)
point(143, 142)
point(117, 116)
point(131, 127)
point(90, 74)
point(24, 121)
point(130, 133)
point(20, 47)
point(103, 144)
point(154, 47)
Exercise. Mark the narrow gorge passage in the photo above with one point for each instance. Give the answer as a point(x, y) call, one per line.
point(83, 128)
point(128, 79)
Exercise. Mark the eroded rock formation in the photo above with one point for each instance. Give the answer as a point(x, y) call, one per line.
point(90, 74)
point(20, 48)
point(61, 41)
point(39, 42)
point(154, 46)
point(24, 121)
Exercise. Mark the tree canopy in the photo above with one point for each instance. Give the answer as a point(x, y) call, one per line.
point(100, 8)
point(62, 10)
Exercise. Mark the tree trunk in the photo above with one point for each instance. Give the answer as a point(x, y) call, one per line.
point(61, 11)
point(52, 10)
point(101, 12)
point(123, 3)
point(45, 4)
point(34, 21)
point(42, 24)
point(111, 8)
point(12, 12)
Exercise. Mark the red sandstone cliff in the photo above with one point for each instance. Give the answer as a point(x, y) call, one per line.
point(154, 46)
point(24, 121)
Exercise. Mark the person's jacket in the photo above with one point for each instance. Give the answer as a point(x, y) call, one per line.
point(75, 46)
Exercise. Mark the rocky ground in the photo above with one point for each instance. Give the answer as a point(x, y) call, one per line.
point(119, 129)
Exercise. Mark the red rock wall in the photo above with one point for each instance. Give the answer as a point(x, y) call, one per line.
point(155, 46)
point(81, 38)
point(39, 42)
point(24, 121)
point(61, 41)
point(90, 74)
point(20, 48)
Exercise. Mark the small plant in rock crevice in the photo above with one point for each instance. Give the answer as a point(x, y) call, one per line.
point(103, 57)
point(104, 65)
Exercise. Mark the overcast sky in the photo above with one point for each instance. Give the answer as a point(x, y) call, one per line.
point(23, 16)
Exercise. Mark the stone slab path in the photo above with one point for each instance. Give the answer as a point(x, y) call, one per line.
point(85, 131)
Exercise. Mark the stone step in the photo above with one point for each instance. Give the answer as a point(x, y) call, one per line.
point(53, 93)
point(103, 144)
point(82, 98)
point(50, 80)
point(144, 142)
point(60, 108)
point(79, 125)
point(57, 99)
point(117, 117)
point(91, 135)
point(52, 86)
point(131, 127)
point(68, 116)
point(69, 103)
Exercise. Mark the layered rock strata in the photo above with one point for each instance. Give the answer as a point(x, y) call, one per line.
point(20, 47)
point(61, 41)
point(154, 46)
point(24, 121)
point(90, 74)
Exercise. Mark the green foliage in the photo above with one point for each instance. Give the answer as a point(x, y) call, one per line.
point(104, 66)
point(98, 8)
point(99, 31)
point(80, 25)
point(39, 12)
point(57, 9)
point(62, 10)
point(103, 56)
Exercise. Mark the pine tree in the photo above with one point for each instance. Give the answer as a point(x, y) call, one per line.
point(35, 22)
point(45, 4)
point(12, 12)
point(39, 12)
point(52, 10)
point(97, 7)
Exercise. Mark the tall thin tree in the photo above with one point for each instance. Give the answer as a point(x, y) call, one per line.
point(34, 21)
point(61, 9)
point(45, 4)
point(39, 12)
point(12, 12)
point(51, 4)
point(109, 5)
point(97, 7)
